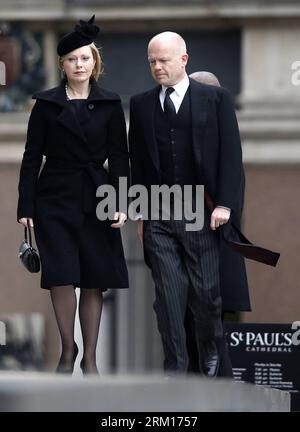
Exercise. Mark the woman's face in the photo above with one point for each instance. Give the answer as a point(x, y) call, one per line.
point(79, 64)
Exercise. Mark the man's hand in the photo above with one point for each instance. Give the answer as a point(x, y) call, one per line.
point(121, 218)
point(140, 224)
point(23, 221)
point(219, 216)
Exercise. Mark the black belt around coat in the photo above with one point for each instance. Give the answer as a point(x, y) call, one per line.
point(95, 171)
point(93, 168)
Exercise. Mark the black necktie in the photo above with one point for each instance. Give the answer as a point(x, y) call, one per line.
point(169, 107)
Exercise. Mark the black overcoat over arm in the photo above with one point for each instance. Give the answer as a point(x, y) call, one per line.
point(135, 147)
point(230, 169)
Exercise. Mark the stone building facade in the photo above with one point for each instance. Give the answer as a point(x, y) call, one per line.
point(251, 46)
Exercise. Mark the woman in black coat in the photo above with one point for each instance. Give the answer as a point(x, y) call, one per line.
point(77, 126)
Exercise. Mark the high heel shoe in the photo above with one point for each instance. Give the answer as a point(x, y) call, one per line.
point(86, 370)
point(67, 368)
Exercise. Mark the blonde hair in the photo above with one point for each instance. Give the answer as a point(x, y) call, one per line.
point(98, 68)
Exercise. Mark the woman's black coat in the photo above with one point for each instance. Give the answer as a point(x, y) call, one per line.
point(62, 198)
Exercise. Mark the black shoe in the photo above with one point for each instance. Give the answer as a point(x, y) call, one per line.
point(67, 369)
point(211, 360)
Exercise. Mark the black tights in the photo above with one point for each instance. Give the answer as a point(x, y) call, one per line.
point(90, 307)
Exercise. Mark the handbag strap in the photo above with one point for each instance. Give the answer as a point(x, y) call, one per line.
point(29, 232)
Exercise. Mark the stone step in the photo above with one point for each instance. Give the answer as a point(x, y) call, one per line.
point(37, 392)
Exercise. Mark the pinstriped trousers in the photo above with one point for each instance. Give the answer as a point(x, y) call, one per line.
point(185, 270)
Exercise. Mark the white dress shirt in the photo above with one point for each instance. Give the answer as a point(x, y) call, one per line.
point(177, 95)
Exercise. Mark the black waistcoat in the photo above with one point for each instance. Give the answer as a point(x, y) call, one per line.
point(174, 140)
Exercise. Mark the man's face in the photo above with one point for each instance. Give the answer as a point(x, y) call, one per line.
point(167, 65)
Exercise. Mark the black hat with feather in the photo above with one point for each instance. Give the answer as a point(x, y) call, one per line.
point(84, 34)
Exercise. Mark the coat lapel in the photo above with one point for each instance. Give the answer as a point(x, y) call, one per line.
point(69, 120)
point(147, 116)
point(67, 117)
point(199, 118)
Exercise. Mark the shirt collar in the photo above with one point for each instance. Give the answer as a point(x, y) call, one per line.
point(180, 88)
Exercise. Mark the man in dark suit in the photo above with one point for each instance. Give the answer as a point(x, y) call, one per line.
point(183, 132)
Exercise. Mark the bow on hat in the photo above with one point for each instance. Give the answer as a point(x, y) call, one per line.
point(87, 28)
point(84, 34)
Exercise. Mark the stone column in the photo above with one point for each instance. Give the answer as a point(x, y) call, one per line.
point(269, 118)
point(51, 64)
point(268, 51)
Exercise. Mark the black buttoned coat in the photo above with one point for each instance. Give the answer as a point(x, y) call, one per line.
point(75, 247)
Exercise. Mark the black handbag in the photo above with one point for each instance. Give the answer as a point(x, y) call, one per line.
point(28, 255)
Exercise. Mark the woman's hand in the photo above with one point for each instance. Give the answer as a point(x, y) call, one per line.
point(23, 221)
point(121, 218)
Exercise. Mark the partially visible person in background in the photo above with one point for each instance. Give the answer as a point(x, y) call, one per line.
point(77, 126)
point(231, 261)
point(205, 77)
point(208, 78)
